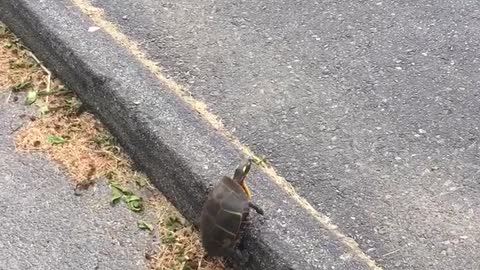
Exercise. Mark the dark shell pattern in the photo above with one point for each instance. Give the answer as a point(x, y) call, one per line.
point(222, 216)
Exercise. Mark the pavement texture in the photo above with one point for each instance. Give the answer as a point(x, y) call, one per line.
point(46, 226)
point(369, 109)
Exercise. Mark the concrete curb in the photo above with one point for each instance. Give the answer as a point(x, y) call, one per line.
point(179, 151)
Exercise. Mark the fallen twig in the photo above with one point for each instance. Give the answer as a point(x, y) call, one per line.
point(49, 78)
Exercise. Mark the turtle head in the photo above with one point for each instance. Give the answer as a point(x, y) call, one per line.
point(240, 175)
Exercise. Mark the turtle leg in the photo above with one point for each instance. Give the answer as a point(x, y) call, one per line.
point(256, 208)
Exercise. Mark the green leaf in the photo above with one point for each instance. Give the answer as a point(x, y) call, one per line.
point(116, 195)
point(135, 206)
point(31, 97)
point(105, 140)
point(134, 203)
point(140, 181)
point(21, 86)
point(56, 140)
point(116, 185)
point(117, 191)
point(144, 225)
point(132, 198)
point(173, 224)
point(170, 238)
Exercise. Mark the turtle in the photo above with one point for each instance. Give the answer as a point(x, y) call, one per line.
point(225, 215)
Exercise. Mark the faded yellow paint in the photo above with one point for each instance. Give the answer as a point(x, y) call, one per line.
point(98, 18)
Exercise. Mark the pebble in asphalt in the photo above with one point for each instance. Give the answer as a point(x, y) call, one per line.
point(45, 226)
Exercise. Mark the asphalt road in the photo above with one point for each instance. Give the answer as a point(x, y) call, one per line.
point(369, 108)
point(46, 226)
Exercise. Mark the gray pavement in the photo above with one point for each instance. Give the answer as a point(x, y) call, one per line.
point(46, 226)
point(369, 108)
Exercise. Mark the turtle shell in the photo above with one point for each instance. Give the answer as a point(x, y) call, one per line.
point(222, 216)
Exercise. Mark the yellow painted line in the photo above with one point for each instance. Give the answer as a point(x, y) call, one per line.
point(98, 18)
